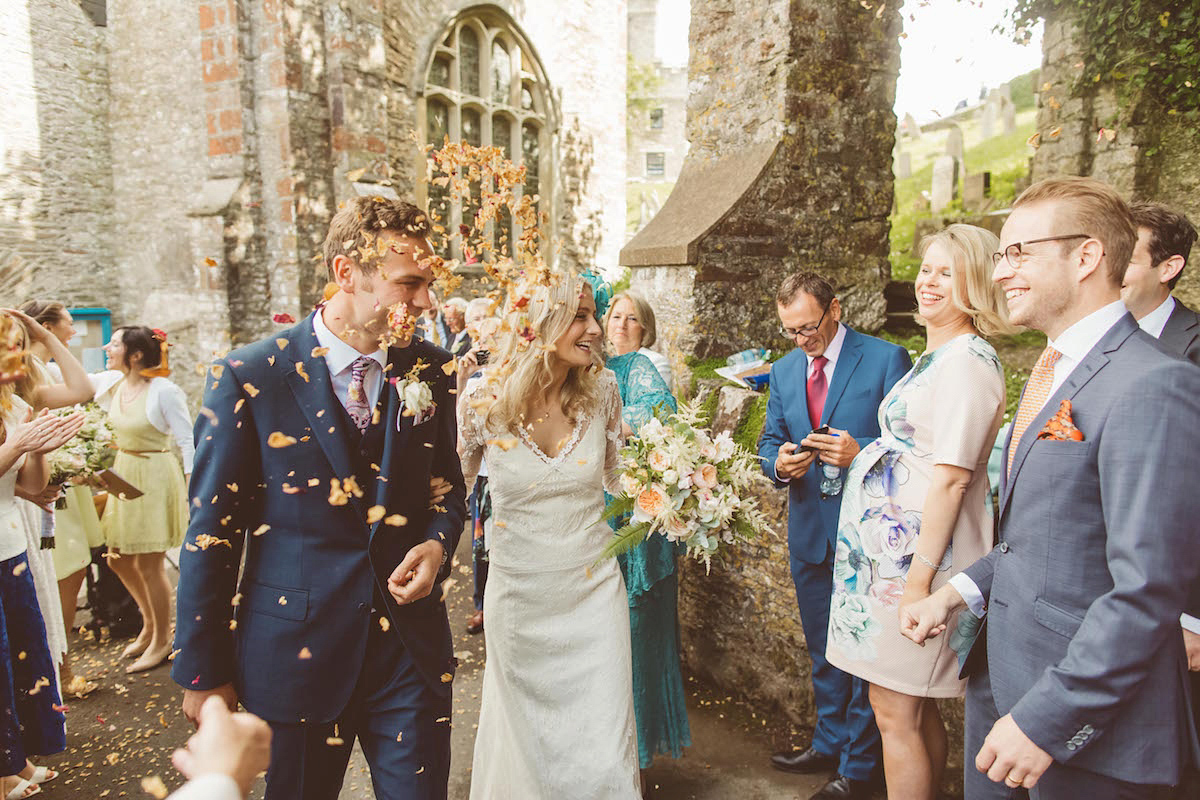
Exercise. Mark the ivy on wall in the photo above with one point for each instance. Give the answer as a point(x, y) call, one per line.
point(1146, 49)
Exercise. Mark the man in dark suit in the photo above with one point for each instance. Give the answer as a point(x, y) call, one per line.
point(317, 467)
point(1165, 238)
point(1082, 691)
point(836, 377)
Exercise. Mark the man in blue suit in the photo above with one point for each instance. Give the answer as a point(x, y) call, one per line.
point(836, 377)
point(315, 454)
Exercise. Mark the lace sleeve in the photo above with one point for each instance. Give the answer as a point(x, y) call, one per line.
point(611, 406)
point(646, 393)
point(471, 439)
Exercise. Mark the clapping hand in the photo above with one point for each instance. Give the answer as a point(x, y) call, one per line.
point(45, 432)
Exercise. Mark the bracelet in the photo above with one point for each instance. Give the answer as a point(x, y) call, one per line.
point(929, 563)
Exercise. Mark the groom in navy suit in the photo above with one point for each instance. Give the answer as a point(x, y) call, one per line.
point(313, 467)
point(835, 377)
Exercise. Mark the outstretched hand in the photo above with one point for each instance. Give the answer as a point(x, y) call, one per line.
point(234, 744)
point(45, 432)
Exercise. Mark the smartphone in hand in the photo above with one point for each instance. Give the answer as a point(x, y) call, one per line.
point(807, 448)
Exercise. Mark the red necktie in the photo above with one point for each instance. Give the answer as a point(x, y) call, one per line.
point(818, 388)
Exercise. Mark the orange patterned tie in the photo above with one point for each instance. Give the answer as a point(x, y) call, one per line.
point(1037, 391)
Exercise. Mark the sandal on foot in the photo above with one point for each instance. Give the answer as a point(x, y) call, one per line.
point(42, 775)
point(22, 790)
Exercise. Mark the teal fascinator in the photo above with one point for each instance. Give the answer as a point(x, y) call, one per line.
point(601, 291)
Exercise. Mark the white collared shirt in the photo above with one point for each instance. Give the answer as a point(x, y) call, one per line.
point(1154, 322)
point(832, 351)
point(1074, 343)
point(340, 357)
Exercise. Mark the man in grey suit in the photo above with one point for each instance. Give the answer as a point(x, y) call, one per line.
point(1165, 238)
point(1082, 690)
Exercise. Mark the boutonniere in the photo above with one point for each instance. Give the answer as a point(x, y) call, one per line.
point(416, 396)
point(1061, 427)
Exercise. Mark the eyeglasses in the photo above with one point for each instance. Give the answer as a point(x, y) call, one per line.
point(1015, 252)
point(807, 331)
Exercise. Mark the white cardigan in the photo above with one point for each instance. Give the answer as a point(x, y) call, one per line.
point(166, 408)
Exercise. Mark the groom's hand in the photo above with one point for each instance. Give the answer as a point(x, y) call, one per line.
point(193, 700)
point(414, 578)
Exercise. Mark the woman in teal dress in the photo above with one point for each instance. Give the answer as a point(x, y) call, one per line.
point(649, 569)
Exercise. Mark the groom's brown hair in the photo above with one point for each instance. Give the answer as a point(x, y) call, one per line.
point(353, 229)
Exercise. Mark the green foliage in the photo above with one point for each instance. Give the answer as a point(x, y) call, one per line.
point(1147, 49)
point(752, 426)
point(1023, 89)
point(622, 283)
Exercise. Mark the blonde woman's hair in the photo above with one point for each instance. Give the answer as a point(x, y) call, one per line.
point(523, 369)
point(644, 313)
point(973, 291)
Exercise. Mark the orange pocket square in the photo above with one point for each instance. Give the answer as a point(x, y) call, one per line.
point(1061, 426)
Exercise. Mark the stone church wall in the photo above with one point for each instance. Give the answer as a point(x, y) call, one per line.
point(180, 166)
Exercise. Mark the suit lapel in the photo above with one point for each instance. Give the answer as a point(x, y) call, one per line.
point(1092, 363)
point(847, 362)
point(320, 405)
point(1181, 329)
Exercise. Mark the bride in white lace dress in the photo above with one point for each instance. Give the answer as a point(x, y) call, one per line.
point(557, 716)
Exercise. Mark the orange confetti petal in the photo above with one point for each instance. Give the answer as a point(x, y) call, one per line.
point(250, 389)
point(279, 440)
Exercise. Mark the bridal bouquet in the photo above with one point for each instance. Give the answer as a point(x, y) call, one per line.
point(679, 481)
point(91, 451)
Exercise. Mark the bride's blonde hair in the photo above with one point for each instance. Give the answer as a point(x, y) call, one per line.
point(528, 336)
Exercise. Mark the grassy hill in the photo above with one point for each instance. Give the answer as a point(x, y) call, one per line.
point(1005, 156)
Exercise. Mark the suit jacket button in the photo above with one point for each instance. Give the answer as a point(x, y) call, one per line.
point(1088, 730)
point(1071, 745)
point(1004, 547)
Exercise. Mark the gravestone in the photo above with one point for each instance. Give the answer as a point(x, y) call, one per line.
point(977, 188)
point(1009, 114)
point(954, 143)
point(904, 165)
point(945, 182)
point(987, 119)
point(910, 128)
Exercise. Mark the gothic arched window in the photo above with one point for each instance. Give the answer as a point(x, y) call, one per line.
point(485, 86)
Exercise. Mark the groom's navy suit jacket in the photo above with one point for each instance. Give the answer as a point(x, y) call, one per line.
point(1096, 558)
point(313, 569)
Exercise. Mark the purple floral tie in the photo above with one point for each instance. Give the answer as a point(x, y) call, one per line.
point(356, 401)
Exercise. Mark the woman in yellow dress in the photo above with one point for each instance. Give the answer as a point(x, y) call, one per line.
point(146, 411)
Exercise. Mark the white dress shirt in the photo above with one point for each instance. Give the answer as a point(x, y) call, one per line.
point(1074, 343)
point(210, 786)
point(340, 358)
point(1154, 322)
point(832, 351)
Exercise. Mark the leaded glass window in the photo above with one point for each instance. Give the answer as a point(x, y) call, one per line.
point(485, 86)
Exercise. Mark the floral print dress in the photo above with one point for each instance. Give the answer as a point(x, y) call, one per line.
point(946, 410)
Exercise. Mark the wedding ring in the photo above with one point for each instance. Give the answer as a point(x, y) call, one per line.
point(1012, 782)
